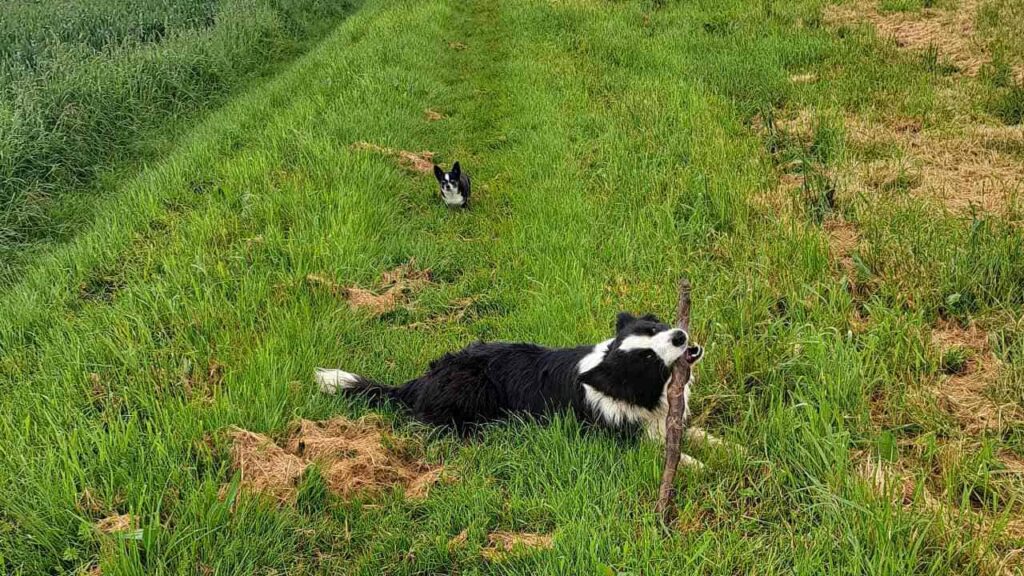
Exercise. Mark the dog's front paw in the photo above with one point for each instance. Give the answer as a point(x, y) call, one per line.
point(655, 429)
point(687, 461)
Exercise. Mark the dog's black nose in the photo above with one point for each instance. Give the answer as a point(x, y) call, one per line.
point(679, 338)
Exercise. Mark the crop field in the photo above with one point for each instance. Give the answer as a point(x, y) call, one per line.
point(842, 183)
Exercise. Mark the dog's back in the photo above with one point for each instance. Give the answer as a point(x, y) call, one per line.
point(488, 381)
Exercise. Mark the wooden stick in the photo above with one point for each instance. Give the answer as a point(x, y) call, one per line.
point(674, 420)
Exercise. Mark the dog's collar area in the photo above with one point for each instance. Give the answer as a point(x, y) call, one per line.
point(615, 412)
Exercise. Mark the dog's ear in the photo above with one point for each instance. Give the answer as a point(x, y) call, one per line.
point(456, 171)
point(438, 173)
point(622, 320)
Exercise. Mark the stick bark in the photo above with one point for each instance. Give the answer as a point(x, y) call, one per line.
point(674, 424)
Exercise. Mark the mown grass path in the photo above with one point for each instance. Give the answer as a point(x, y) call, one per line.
point(609, 155)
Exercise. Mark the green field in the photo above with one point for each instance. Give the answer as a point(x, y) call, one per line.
point(845, 206)
point(88, 88)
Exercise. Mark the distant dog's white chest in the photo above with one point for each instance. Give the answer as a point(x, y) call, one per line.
point(451, 196)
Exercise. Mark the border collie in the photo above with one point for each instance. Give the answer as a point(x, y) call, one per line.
point(618, 383)
point(454, 186)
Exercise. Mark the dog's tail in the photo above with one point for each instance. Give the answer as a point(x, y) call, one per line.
point(335, 381)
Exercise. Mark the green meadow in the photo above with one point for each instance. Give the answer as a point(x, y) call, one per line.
point(89, 89)
point(862, 319)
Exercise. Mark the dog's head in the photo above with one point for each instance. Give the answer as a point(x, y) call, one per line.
point(449, 182)
point(636, 365)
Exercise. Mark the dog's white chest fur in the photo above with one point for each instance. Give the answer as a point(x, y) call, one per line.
point(616, 412)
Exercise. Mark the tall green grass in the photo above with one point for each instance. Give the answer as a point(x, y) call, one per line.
point(612, 150)
point(83, 84)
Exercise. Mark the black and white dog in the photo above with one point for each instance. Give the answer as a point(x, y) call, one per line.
point(618, 383)
point(454, 186)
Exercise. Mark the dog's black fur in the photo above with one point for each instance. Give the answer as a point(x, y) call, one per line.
point(455, 186)
point(489, 381)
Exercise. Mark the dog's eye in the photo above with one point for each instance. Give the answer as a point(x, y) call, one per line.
point(652, 331)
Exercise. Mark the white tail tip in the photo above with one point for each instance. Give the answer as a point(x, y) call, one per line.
point(331, 381)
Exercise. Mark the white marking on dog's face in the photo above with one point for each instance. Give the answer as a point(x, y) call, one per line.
point(669, 345)
point(332, 381)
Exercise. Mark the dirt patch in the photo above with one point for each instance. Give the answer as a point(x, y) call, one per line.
point(354, 457)
point(456, 45)
point(116, 523)
point(455, 312)
point(803, 78)
point(799, 124)
point(202, 383)
point(789, 139)
point(100, 288)
point(433, 115)
point(778, 202)
point(376, 303)
point(968, 528)
point(502, 544)
point(459, 540)
point(949, 33)
point(89, 503)
point(416, 162)
point(947, 334)
point(392, 289)
point(408, 273)
point(973, 170)
point(843, 240)
point(322, 282)
point(886, 478)
point(856, 322)
point(264, 466)
point(1014, 463)
point(972, 368)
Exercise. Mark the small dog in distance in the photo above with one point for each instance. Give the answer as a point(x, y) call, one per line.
point(454, 186)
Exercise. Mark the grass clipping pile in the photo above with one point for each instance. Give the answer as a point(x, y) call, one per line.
point(416, 162)
point(502, 544)
point(355, 457)
point(395, 286)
